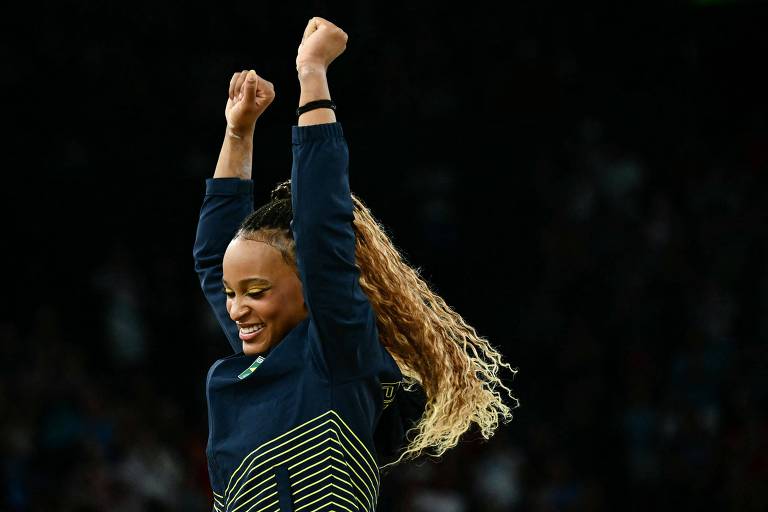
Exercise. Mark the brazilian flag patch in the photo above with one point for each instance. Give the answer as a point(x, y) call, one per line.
point(249, 371)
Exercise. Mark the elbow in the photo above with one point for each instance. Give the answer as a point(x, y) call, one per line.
point(203, 260)
point(197, 256)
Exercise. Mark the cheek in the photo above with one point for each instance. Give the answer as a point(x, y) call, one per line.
point(267, 309)
point(281, 307)
point(298, 308)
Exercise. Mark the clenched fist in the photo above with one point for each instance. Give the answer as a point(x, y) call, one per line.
point(321, 44)
point(249, 96)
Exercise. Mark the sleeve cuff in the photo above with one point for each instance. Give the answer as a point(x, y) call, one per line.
point(228, 186)
point(315, 132)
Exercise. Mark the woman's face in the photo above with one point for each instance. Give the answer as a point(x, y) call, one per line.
point(264, 294)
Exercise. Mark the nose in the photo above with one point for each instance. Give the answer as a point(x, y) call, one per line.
point(237, 310)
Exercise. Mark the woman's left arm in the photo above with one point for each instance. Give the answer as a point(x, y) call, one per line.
point(323, 218)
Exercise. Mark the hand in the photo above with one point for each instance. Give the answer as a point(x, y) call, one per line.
point(249, 96)
point(321, 44)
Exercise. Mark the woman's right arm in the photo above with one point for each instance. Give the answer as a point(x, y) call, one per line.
point(229, 194)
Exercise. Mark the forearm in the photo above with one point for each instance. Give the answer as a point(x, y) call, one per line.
point(314, 86)
point(236, 155)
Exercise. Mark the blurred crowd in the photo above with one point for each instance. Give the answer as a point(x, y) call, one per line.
point(610, 240)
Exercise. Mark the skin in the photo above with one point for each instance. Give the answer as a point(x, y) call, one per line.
point(276, 300)
point(249, 96)
point(321, 43)
point(261, 289)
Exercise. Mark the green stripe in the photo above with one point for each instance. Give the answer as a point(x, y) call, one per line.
point(249, 371)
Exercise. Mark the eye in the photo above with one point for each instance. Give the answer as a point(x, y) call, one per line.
point(256, 293)
point(229, 293)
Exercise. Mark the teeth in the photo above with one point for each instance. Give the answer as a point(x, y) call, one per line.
point(251, 329)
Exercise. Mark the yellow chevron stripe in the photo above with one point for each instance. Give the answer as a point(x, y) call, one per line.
point(260, 447)
point(251, 469)
point(294, 475)
point(265, 498)
point(342, 436)
point(331, 448)
point(313, 493)
point(365, 494)
point(281, 463)
point(342, 497)
point(330, 411)
point(373, 488)
point(372, 463)
point(265, 508)
point(331, 504)
point(349, 478)
point(373, 483)
point(370, 505)
point(319, 481)
point(318, 499)
point(329, 466)
point(255, 495)
point(288, 442)
point(371, 468)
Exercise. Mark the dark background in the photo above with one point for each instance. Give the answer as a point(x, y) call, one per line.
point(583, 184)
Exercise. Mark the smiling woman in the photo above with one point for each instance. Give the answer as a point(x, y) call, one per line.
point(264, 296)
point(335, 336)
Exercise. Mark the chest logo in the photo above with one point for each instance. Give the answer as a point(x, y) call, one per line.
point(389, 389)
point(249, 371)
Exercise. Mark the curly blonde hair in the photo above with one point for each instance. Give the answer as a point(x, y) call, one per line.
point(433, 346)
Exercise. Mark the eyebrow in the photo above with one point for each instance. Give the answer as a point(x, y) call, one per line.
point(251, 280)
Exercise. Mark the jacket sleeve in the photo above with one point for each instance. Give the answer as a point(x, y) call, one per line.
point(342, 321)
point(227, 202)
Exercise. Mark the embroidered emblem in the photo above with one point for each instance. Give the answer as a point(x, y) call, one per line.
point(249, 371)
point(389, 389)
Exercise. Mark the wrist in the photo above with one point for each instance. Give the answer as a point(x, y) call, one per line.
point(310, 71)
point(312, 89)
point(314, 105)
point(236, 155)
point(239, 134)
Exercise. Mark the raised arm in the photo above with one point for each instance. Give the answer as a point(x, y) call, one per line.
point(341, 314)
point(229, 195)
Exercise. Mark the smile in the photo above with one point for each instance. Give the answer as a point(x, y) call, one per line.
point(250, 332)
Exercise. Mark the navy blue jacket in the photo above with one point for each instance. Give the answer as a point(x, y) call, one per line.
point(298, 432)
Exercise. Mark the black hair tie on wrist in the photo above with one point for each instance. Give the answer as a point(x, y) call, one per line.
point(312, 105)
